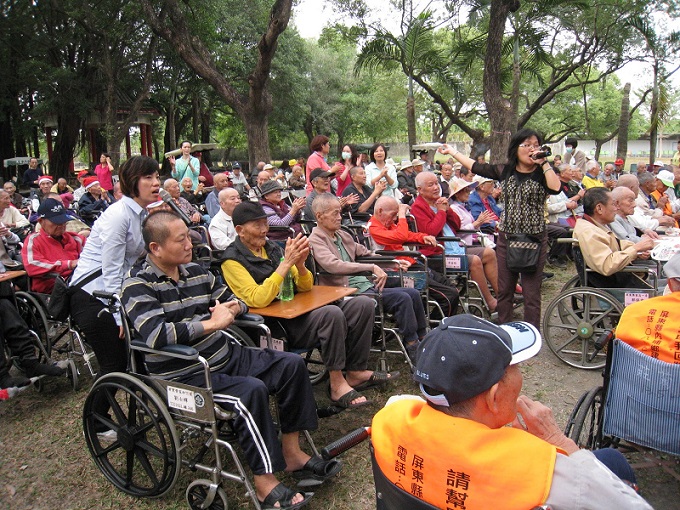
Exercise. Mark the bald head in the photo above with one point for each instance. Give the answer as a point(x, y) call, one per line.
point(629, 181)
point(625, 199)
point(262, 177)
point(220, 181)
point(169, 183)
point(229, 198)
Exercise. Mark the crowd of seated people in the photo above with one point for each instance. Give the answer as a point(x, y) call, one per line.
point(254, 268)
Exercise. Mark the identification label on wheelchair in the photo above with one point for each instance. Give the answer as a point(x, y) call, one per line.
point(277, 343)
point(634, 297)
point(179, 398)
point(409, 283)
point(453, 262)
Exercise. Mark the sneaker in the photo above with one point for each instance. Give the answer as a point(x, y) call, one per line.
point(108, 436)
point(34, 368)
point(547, 276)
point(19, 381)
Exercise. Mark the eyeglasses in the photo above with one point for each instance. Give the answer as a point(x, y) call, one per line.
point(527, 146)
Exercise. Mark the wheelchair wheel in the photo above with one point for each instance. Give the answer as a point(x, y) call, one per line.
point(200, 492)
point(574, 320)
point(572, 282)
point(586, 430)
point(143, 457)
point(242, 337)
point(315, 366)
point(476, 310)
point(35, 317)
point(72, 374)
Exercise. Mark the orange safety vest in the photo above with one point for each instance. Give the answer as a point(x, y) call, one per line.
point(668, 208)
point(455, 463)
point(652, 326)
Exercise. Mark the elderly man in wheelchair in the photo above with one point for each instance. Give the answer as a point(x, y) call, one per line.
point(468, 373)
point(602, 251)
point(173, 301)
point(611, 274)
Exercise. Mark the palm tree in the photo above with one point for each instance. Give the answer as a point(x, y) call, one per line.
point(414, 52)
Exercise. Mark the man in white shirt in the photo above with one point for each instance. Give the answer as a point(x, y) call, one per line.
point(221, 228)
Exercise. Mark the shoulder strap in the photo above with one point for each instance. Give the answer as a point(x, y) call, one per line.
point(92, 276)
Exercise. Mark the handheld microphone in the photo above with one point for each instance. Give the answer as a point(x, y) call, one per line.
point(167, 198)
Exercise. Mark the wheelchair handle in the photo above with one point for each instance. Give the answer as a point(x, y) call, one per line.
point(601, 343)
point(345, 443)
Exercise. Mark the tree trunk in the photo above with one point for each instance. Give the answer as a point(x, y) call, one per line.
point(654, 115)
point(598, 148)
point(411, 115)
point(68, 129)
point(499, 108)
point(624, 121)
point(257, 133)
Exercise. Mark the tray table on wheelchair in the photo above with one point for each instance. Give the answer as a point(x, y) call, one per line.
point(9, 275)
point(303, 302)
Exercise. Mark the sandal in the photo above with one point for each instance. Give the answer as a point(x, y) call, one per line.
point(316, 471)
point(283, 496)
point(345, 402)
point(377, 379)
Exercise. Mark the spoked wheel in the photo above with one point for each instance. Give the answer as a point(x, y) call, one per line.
point(477, 310)
point(33, 313)
point(574, 320)
point(586, 431)
point(315, 366)
point(242, 337)
point(571, 283)
point(141, 457)
point(205, 495)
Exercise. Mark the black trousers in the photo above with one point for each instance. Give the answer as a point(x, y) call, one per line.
point(14, 334)
point(243, 386)
point(101, 333)
point(556, 232)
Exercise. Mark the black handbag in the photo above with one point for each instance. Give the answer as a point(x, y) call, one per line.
point(522, 253)
point(58, 306)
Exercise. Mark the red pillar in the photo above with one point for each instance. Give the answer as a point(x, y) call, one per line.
point(48, 139)
point(128, 149)
point(149, 144)
point(142, 138)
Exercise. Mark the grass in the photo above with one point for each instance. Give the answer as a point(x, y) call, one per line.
point(45, 463)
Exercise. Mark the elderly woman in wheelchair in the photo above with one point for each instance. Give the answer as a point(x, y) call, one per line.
point(168, 300)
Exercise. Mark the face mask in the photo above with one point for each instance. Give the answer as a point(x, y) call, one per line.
point(346, 155)
point(569, 149)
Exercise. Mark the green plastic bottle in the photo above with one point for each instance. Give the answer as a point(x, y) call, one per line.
point(287, 287)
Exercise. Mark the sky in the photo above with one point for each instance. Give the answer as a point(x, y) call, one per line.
point(310, 17)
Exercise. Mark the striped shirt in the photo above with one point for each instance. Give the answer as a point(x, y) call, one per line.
point(164, 312)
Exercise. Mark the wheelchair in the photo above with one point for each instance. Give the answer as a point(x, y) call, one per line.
point(33, 314)
point(261, 334)
point(156, 421)
point(388, 496)
point(579, 314)
point(635, 409)
point(455, 267)
point(57, 337)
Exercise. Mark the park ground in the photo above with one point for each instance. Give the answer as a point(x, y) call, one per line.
point(45, 463)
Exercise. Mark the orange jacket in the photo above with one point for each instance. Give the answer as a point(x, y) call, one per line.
point(652, 326)
point(446, 460)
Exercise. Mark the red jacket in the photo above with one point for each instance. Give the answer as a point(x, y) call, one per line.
point(431, 223)
point(393, 238)
point(45, 258)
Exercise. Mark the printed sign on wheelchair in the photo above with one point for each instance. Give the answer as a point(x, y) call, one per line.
point(454, 262)
point(189, 401)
